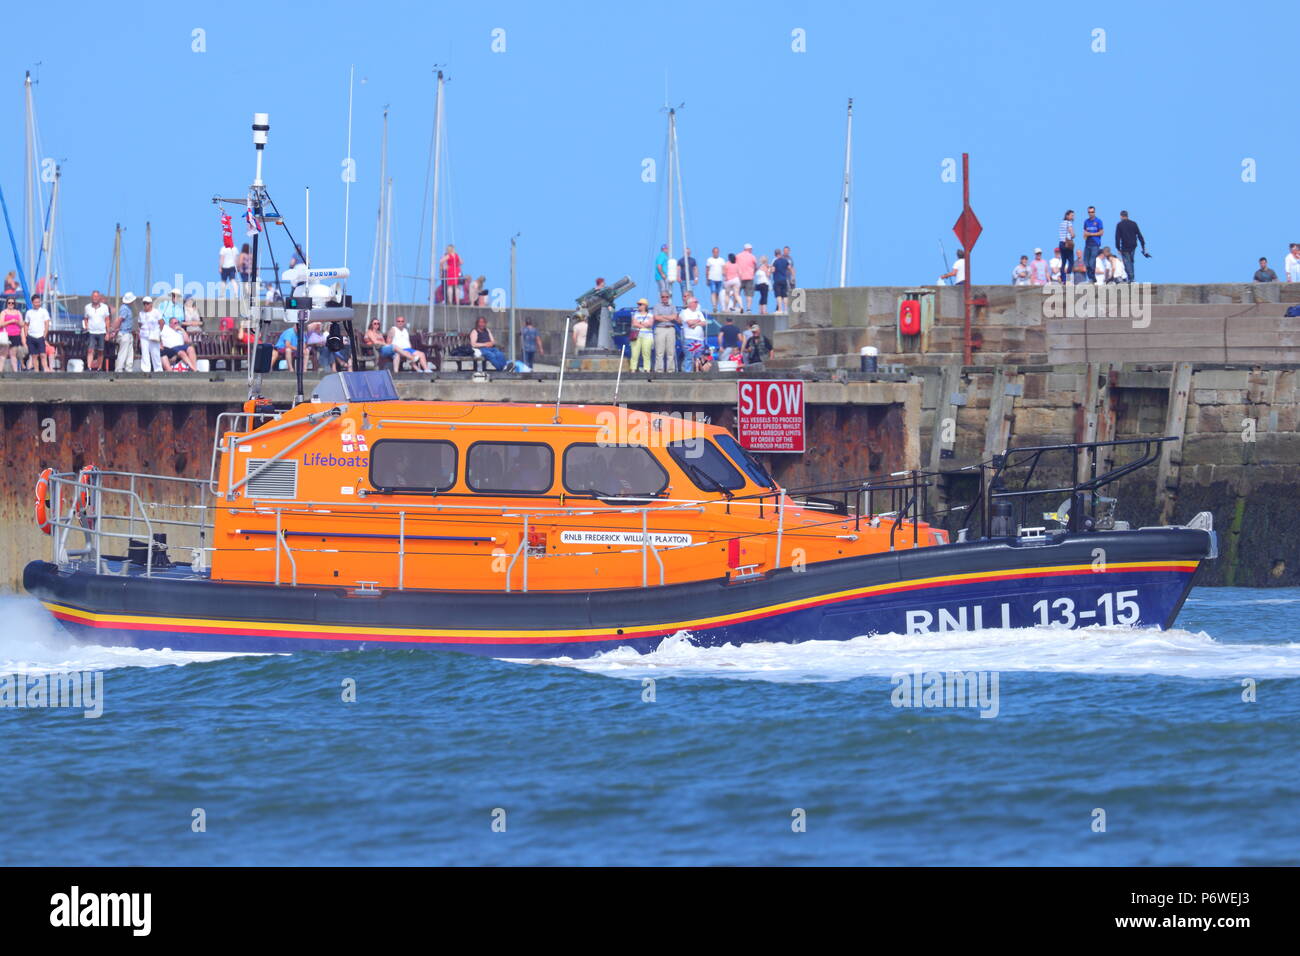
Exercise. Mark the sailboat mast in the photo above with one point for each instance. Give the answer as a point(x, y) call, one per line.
point(683, 264)
point(388, 247)
point(347, 180)
point(672, 144)
point(377, 255)
point(117, 267)
point(29, 128)
point(148, 254)
point(844, 210)
point(434, 277)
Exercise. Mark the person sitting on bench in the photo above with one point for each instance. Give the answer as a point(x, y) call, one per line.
point(480, 337)
point(399, 337)
point(176, 347)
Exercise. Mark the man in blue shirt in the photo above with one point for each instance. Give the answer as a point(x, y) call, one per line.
point(1092, 233)
point(661, 270)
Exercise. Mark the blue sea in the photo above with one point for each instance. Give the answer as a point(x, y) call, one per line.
point(764, 754)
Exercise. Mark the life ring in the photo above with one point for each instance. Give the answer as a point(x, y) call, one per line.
point(82, 505)
point(42, 502)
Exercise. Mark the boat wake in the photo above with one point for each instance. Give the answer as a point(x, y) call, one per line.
point(1095, 650)
point(33, 643)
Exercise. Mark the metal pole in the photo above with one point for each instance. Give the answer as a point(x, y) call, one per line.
point(618, 379)
point(513, 248)
point(117, 267)
point(401, 549)
point(564, 360)
point(965, 204)
point(148, 257)
point(29, 128)
point(49, 239)
point(434, 277)
point(844, 211)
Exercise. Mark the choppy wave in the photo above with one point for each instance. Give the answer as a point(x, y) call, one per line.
point(33, 643)
point(1094, 650)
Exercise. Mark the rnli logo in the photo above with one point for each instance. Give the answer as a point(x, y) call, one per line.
point(353, 443)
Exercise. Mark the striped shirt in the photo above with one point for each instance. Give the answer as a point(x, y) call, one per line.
point(1066, 230)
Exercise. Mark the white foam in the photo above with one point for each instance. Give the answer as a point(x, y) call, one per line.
point(1092, 650)
point(34, 643)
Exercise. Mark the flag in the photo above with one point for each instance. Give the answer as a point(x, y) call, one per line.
point(254, 224)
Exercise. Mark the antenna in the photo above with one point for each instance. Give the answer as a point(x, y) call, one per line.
point(564, 360)
point(618, 380)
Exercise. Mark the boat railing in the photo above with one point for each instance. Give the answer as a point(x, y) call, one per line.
point(108, 506)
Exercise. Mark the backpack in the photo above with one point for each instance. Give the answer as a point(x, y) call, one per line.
point(1293, 311)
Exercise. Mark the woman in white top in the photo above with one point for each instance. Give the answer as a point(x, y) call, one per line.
point(762, 282)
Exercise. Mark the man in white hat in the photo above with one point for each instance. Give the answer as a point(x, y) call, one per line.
point(1038, 271)
point(124, 335)
point(151, 323)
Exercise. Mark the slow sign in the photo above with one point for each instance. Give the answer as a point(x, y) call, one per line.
point(770, 416)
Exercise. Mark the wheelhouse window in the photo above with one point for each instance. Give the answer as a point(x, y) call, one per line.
point(707, 467)
point(402, 464)
point(513, 468)
point(610, 471)
point(747, 462)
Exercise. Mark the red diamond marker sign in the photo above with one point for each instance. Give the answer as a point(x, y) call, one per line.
point(967, 228)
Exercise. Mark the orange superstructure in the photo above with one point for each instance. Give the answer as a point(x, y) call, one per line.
point(444, 495)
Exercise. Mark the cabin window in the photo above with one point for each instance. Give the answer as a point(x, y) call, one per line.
point(707, 467)
point(515, 468)
point(403, 464)
point(611, 471)
point(747, 462)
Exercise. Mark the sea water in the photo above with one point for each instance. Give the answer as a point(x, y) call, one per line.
point(1107, 746)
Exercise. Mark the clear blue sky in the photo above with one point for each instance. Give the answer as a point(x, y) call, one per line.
point(547, 139)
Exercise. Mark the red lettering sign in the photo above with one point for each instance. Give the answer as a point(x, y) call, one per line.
point(770, 416)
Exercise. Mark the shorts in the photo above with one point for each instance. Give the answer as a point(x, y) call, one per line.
point(35, 346)
point(747, 285)
point(227, 274)
point(781, 289)
point(243, 276)
point(96, 342)
point(176, 351)
point(715, 285)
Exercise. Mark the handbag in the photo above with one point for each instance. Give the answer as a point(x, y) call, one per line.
point(4, 337)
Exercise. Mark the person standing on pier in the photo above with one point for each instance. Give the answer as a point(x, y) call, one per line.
point(958, 272)
point(1038, 269)
point(532, 343)
point(1093, 230)
point(1020, 274)
point(714, 271)
point(762, 283)
point(35, 324)
point(11, 324)
point(124, 335)
point(688, 274)
point(693, 331)
point(95, 323)
point(746, 265)
point(1065, 233)
point(640, 333)
point(781, 276)
point(450, 266)
point(661, 269)
point(151, 323)
point(1264, 273)
point(1127, 239)
point(666, 322)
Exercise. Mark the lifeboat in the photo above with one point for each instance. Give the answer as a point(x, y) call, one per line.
point(358, 520)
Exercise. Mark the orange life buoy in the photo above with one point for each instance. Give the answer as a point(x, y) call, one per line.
point(42, 505)
point(86, 481)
